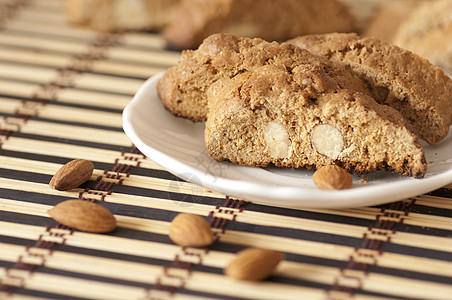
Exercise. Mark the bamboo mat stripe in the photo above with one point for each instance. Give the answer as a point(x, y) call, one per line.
point(62, 92)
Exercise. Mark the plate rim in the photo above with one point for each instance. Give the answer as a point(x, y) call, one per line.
point(273, 195)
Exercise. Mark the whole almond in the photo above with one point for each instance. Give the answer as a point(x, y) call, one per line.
point(72, 174)
point(253, 264)
point(83, 215)
point(189, 230)
point(332, 177)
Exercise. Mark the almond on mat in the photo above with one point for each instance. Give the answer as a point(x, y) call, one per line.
point(189, 230)
point(253, 264)
point(83, 215)
point(72, 174)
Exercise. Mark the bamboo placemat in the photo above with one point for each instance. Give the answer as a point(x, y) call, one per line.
point(62, 91)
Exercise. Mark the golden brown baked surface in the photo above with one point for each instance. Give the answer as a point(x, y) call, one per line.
point(299, 118)
point(420, 91)
point(183, 88)
point(194, 20)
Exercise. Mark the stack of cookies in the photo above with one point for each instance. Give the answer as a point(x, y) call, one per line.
point(313, 101)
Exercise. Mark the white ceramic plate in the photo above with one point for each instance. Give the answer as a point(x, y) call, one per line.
point(177, 145)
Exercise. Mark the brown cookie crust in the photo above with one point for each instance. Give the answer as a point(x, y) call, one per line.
point(375, 137)
point(183, 88)
point(420, 91)
point(120, 15)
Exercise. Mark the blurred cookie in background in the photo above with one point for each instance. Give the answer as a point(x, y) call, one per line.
point(387, 18)
point(120, 15)
point(194, 20)
point(427, 31)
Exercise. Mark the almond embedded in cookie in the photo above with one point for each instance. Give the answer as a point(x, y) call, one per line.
point(420, 91)
point(324, 125)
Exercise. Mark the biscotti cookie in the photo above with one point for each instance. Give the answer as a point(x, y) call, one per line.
point(120, 15)
point(420, 91)
point(194, 20)
point(388, 17)
point(183, 88)
point(291, 119)
point(428, 32)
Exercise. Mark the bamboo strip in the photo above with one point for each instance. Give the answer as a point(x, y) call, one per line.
point(68, 151)
point(99, 99)
point(67, 95)
point(146, 273)
point(414, 263)
point(338, 252)
point(75, 132)
point(411, 263)
point(4, 295)
point(27, 56)
point(164, 58)
point(23, 72)
point(85, 80)
point(81, 115)
point(17, 89)
point(216, 284)
point(80, 263)
point(108, 83)
point(133, 39)
point(145, 182)
point(434, 201)
point(124, 69)
point(82, 288)
point(41, 43)
point(416, 240)
point(130, 39)
point(407, 288)
point(66, 31)
point(8, 106)
point(70, 114)
point(412, 218)
point(141, 39)
point(140, 201)
point(85, 264)
point(163, 228)
point(191, 189)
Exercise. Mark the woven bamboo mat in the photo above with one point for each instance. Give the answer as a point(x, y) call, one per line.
point(62, 92)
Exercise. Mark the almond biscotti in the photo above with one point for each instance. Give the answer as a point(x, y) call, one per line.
point(183, 88)
point(421, 92)
point(295, 119)
point(120, 15)
point(194, 20)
